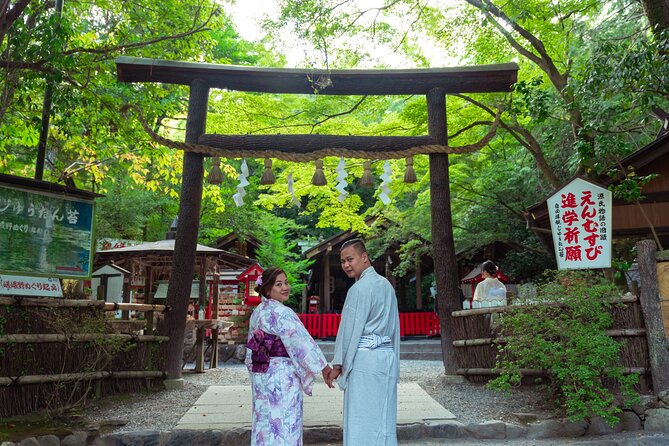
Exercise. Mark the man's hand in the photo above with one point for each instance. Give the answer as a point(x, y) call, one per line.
point(327, 370)
point(334, 373)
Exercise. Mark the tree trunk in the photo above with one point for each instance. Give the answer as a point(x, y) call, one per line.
point(652, 315)
point(657, 12)
point(443, 245)
point(185, 244)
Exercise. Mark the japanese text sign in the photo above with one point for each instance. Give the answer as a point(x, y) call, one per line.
point(44, 234)
point(580, 215)
point(30, 286)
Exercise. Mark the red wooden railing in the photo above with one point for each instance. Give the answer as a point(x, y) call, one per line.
point(411, 324)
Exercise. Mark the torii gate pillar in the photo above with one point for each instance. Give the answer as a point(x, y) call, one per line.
point(185, 244)
point(443, 244)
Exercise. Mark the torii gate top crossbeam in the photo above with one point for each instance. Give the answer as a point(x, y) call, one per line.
point(474, 79)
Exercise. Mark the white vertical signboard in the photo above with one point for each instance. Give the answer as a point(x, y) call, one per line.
point(581, 224)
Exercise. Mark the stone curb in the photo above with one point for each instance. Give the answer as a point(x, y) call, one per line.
point(443, 429)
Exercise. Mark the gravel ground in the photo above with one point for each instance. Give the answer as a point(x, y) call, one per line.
point(161, 410)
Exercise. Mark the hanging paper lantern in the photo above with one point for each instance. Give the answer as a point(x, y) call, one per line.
point(409, 173)
point(268, 175)
point(238, 198)
point(215, 175)
point(319, 176)
point(341, 180)
point(367, 179)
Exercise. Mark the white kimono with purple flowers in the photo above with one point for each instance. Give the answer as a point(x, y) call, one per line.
point(277, 393)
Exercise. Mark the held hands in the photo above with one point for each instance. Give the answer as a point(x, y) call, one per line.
point(326, 375)
point(331, 374)
point(334, 374)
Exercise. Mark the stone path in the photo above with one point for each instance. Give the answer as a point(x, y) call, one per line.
point(229, 407)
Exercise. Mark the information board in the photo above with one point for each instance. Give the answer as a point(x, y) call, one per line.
point(44, 234)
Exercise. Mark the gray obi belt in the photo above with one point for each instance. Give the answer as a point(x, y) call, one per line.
point(375, 342)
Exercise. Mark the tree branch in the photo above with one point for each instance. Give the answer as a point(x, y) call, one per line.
point(119, 48)
point(313, 125)
point(525, 138)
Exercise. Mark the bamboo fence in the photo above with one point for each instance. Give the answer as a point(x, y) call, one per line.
point(477, 345)
point(56, 353)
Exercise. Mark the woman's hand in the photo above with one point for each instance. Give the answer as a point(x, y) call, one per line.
point(326, 375)
point(334, 373)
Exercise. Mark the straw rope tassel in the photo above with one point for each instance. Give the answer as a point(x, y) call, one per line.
point(367, 179)
point(410, 173)
point(268, 175)
point(215, 175)
point(319, 176)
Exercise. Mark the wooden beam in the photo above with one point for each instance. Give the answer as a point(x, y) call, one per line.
point(473, 79)
point(614, 333)
point(77, 337)
point(302, 144)
point(538, 372)
point(41, 379)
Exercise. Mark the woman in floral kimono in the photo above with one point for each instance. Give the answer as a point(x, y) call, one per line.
point(283, 360)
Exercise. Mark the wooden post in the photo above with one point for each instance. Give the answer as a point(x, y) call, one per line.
point(125, 314)
point(419, 285)
point(200, 337)
point(326, 281)
point(148, 298)
point(443, 245)
point(650, 305)
point(185, 244)
point(303, 305)
point(214, 315)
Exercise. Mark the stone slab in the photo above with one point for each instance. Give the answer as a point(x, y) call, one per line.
point(227, 407)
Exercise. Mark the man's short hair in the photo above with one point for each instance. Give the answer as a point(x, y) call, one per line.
point(357, 243)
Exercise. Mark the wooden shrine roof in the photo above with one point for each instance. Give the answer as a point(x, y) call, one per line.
point(468, 79)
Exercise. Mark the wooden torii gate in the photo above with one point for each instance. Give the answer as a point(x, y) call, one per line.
point(201, 77)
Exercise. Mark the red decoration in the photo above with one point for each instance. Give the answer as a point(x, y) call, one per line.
point(249, 278)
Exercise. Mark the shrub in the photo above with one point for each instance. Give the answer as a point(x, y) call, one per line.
point(563, 331)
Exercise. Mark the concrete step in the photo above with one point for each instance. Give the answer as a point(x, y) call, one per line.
point(417, 349)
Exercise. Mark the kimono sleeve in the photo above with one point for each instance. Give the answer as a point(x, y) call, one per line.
point(352, 326)
point(305, 354)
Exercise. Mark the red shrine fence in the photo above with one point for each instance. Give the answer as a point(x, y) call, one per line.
point(411, 324)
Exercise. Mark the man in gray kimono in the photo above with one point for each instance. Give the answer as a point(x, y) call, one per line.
point(367, 353)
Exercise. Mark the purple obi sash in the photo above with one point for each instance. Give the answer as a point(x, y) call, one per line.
point(264, 346)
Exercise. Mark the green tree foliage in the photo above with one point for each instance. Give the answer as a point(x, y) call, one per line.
point(91, 143)
point(278, 250)
point(583, 99)
point(564, 333)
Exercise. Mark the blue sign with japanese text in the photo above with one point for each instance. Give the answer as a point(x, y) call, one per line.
point(43, 234)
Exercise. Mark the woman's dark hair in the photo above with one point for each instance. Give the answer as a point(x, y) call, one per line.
point(489, 267)
point(268, 278)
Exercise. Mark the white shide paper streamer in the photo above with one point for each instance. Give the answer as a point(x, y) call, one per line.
point(291, 191)
point(243, 182)
point(387, 178)
point(341, 180)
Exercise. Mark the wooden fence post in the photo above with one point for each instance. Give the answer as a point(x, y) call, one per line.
point(658, 350)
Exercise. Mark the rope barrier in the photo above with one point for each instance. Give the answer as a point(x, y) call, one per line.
point(316, 154)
